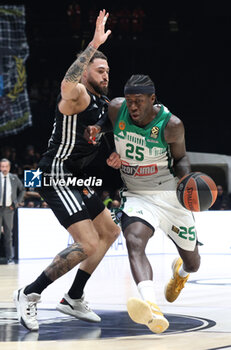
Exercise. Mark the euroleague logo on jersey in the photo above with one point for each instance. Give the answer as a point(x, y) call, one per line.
point(138, 170)
point(154, 132)
point(122, 125)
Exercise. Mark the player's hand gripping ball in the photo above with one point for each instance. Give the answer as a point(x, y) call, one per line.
point(196, 191)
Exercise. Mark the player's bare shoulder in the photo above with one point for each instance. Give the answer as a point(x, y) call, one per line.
point(174, 122)
point(117, 102)
point(174, 130)
point(114, 107)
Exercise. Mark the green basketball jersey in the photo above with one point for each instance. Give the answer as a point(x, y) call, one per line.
point(145, 155)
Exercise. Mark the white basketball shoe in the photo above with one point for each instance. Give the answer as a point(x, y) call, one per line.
point(78, 308)
point(26, 306)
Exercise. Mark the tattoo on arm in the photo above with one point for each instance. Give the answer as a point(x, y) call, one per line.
point(65, 261)
point(75, 71)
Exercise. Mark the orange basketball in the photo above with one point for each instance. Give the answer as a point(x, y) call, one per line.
point(196, 191)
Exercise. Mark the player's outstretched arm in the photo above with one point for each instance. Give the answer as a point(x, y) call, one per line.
point(74, 73)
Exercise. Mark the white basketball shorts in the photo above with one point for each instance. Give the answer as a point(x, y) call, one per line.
point(162, 210)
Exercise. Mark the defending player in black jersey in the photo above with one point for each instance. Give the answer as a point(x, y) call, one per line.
point(78, 209)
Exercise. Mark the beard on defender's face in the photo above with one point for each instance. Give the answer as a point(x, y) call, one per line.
point(99, 89)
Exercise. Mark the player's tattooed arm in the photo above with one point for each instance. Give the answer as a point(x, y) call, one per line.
point(75, 71)
point(71, 89)
point(65, 261)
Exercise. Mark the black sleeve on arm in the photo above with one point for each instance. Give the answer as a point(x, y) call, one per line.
point(105, 123)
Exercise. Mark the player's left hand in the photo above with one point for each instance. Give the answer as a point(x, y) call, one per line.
point(114, 160)
point(100, 36)
point(90, 133)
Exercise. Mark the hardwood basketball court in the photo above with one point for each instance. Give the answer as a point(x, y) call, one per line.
point(199, 319)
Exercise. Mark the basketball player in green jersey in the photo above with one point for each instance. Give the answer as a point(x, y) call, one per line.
point(151, 155)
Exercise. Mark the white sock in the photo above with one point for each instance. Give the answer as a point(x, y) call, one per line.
point(146, 290)
point(182, 272)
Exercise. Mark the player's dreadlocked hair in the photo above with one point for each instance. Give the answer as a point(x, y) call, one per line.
point(139, 84)
point(139, 80)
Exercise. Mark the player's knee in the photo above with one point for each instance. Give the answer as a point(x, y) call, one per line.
point(134, 244)
point(90, 246)
point(111, 232)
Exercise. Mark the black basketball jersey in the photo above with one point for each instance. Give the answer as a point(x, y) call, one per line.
point(67, 141)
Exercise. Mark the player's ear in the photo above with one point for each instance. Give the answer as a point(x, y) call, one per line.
point(84, 75)
point(153, 98)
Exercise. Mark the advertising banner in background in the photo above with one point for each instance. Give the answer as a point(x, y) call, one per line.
point(15, 114)
point(41, 236)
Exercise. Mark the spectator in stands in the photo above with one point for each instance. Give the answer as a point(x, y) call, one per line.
point(31, 195)
point(9, 153)
point(44, 205)
point(225, 206)
point(222, 202)
point(15, 161)
point(6, 152)
point(30, 204)
point(30, 158)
